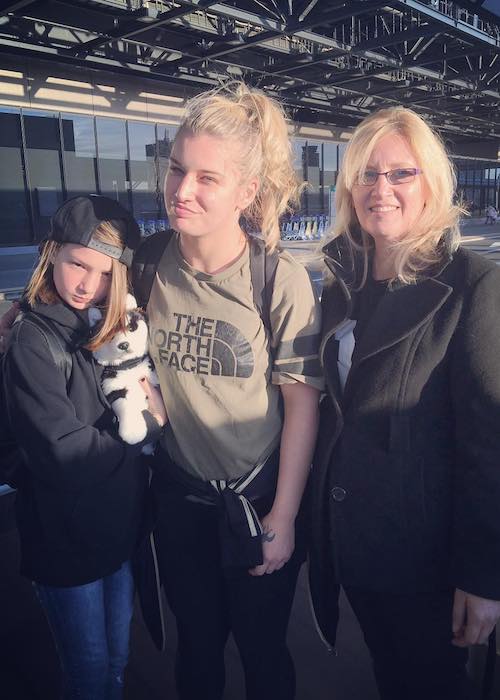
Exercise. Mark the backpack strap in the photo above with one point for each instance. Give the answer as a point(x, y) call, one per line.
point(145, 264)
point(11, 455)
point(57, 345)
point(262, 271)
point(263, 266)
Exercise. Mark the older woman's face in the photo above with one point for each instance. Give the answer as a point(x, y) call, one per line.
point(388, 212)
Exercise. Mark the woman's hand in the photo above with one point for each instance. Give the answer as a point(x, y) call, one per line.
point(473, 618)
point(297, 443)
point(278, 543)
point(155, 402)
point(6, 322)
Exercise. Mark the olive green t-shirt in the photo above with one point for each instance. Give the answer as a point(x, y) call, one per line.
point(211, 351)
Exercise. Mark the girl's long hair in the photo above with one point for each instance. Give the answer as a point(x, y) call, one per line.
point(257, 125)
point(41, 286)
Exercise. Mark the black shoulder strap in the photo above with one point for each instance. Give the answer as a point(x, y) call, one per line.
point(146, 260)
point(263, 266)
point(11, 457)
point(56, 343)
point(262, 271)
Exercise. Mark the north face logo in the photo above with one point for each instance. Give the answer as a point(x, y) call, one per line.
point(204, 346)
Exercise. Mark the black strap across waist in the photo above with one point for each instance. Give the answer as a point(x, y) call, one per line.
point(240, 530)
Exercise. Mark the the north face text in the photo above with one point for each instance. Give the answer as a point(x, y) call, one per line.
point(204, 346)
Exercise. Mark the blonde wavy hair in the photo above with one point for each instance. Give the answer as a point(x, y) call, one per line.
point(41, 287)
point(420, 248)
point(257, 124)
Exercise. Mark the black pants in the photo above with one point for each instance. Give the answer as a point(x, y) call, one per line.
point(209, 602)
point(409, 638)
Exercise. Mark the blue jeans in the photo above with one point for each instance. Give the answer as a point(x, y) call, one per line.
point(91, 629)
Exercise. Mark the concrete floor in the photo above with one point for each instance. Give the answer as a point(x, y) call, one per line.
point(29, 668)
point(28, 662)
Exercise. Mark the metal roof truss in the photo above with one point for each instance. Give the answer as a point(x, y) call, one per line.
point(330, 61)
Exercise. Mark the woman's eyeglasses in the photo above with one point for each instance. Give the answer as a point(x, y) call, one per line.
point(399, 176)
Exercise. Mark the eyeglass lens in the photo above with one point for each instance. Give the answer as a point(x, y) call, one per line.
point(395, 177)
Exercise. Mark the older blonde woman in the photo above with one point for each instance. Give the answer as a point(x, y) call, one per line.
point(406, 481)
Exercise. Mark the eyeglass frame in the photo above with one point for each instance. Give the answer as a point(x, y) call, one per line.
point(417, 171)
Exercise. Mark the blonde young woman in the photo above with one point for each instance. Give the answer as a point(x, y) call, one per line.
point(406, 480)
point(80, 494)
point(242, 402)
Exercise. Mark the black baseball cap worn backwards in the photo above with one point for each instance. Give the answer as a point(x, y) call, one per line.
point(78, 218)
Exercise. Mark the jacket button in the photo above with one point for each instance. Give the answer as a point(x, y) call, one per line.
point(338, 493)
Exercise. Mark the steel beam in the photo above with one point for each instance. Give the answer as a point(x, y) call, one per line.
point(285, 29)
point(7, 6)
point(454, 25)
point(314, 81)
point(399, 37)
point(131, 28)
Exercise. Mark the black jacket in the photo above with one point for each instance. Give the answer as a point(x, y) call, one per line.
point(82, 495)
point(406, 477)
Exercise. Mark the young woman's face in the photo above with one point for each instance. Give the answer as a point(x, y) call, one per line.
point(388, 211)
point(82, 276)
point(203, 191)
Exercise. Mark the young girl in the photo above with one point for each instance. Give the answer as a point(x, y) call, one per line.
point(80, 499)
point(242, 402)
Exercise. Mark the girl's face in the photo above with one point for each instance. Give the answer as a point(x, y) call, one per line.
point(203, 190)
point(82, 276)
point(388, 212)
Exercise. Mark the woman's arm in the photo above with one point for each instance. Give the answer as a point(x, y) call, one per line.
point(296, 324)
point(297, 444)
point(475, 390)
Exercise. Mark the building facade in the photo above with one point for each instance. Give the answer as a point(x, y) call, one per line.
point(69, 132)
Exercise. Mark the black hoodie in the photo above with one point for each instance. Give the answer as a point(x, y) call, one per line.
point(81, 501)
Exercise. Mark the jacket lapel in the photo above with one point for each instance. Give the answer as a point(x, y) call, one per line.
point(336, 306)
point(336, 303)
point(398, 314)
point(401, 313)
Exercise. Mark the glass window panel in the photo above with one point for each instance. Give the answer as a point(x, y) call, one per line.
point(79, 153)
point(112, 138)
point(16, 228)
point(330, 164)
point(342, 147)
point(461, 172)
point(486, 197)
point(300, 165)
point(112, 149)
point(489, 174)
point(300, 157)
point(143, 175)
point(469, 198)
point(330, 172)
point(165, 135)
point(43, 157)
point(314, 194)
